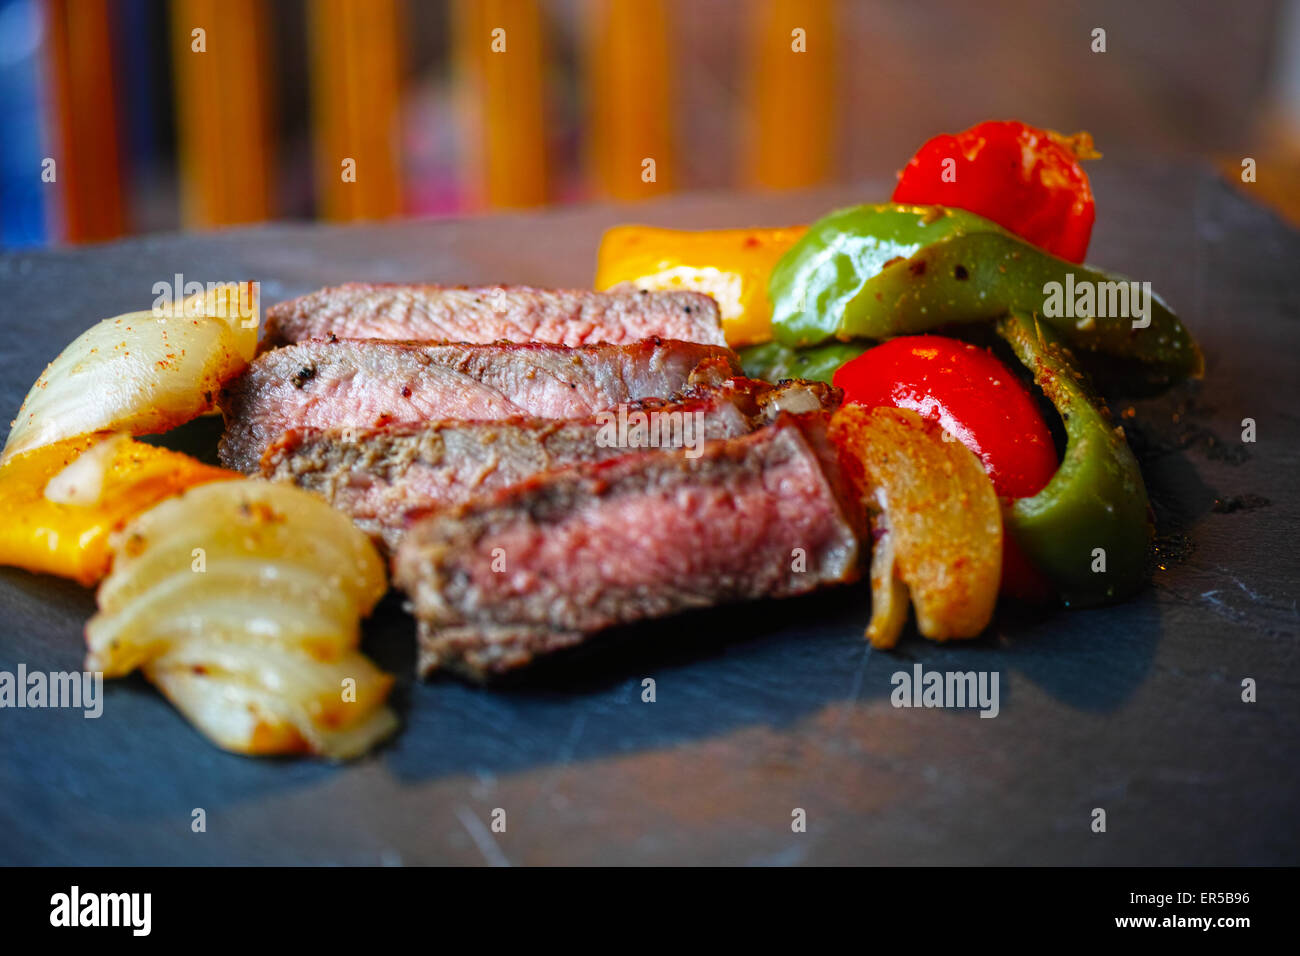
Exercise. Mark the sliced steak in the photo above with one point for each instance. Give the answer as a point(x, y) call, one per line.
point(368, 383)
point(432, 313)
point(548, 562)
point(380, 475)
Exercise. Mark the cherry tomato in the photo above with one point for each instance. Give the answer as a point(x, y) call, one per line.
point(977, 400)
point(1025, 179)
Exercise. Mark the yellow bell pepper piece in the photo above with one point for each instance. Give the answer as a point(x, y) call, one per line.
point(71, 540)
point(732, 265)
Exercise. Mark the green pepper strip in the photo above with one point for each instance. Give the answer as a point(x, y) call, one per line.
point(774, 362)
point(1095, 500)
point(879, 271)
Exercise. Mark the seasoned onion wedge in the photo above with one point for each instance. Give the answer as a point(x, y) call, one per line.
point(889, 595)
point(141, 373)
point(937, 520)
point(241, 601)
point(248, 720)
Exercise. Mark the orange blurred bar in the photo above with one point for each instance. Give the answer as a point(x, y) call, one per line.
point(789, 122)
point(222, 110)
point(630, 106)
point(501, 74)
point(356, 77)
point(79, 64)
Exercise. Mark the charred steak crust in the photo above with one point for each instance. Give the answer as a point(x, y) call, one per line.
point(368, 383)
point(569, 553)
point(485, 314)
point(379, 476)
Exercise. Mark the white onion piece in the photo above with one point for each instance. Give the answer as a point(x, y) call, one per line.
point(241, 601)
point(140, 373)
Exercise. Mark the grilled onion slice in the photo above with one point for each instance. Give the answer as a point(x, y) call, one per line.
point(141, 373)
point(936, 518)
point(242, 602)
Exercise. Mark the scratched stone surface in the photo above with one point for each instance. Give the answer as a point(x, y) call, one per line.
point(760, 709)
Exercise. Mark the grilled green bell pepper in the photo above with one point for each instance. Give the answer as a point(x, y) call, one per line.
point(1096, 499)
point(773, 361)
point(883, 270)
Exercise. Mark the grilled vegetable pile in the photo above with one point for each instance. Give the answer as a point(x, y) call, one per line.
point(899, 304)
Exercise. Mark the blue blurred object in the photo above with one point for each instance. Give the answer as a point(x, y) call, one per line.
point(23, 195)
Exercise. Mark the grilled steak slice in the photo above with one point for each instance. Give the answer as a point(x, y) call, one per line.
point(380, 475)
point(544, 564)
point(368, 383)
point(431, 313)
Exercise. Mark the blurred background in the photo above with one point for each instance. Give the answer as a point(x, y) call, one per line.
point(127, 116)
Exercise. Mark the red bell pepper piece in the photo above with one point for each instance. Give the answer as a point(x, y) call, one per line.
point(1027, 180)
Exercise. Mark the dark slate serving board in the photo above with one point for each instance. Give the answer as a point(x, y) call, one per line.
point(762, 709)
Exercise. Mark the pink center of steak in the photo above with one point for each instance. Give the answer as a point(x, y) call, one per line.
point(699, 545)
point(369, 383)
point(641, 536)
point(379, 475)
